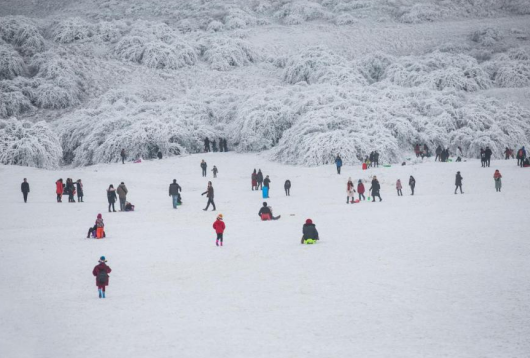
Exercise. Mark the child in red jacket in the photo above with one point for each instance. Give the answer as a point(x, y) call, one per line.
point(360, 189)
point(219, 227)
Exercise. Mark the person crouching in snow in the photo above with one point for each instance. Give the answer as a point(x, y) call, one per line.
point(101, 271)
point(265, 213)
point(497, 178)
point(310, 232)
point(219, 227)
point(399, 187)
point(360, 189)
point(350, 192)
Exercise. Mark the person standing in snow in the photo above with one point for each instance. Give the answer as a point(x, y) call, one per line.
point(497, 178)
point(287, 187)
point(483, 157)
point(438, 153)
point(219, 227)
point(225, 145)
point(203, 167)
point(101, 272)
point(111, 197)
point(123, 156)
point(338, 163)
point(24, 187)
point(412, 184)
point(521, 156)
point(174, 190)
point(458, 182)
point(360, 189)
point(375, 188)
point(206, 145)
point(70, 190)
point(350, 192)
point(122, 194)
point(209, 195)
point(254, 180)
point(159, 154)
point(376, 159)
point(399, 187)
point(79, 187)
point(221, 148)
point(260, 179)
point(266, 187)
point(417, 150)
point(507, 153)
point(215, 171)
point(59, 188)
point(310, 233)
point(214, 146)
point(487, 156)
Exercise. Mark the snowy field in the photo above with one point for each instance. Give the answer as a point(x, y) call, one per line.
point(430, 275)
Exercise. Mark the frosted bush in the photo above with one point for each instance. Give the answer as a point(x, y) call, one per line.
point(421, 13)
point(22, 34)
point(239, 19)
point(110, 31)
point(160, 55)
point(300, 11)
point(223, 53)
point(513, 74)
point(487, 37)
point(70, 30)
point(13, 103)
point(27, 144)
point(215, 26)
point(130, 48)
point(154, 31)
point(374, 66)
point(345, 19)
point(11, 64)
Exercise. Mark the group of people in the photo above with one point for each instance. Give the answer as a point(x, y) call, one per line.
point(485, 157)
point(223, 146)
point(263, 183)
point(522, 159)
point(121, 192)
point(204, 167)
point(69, 188)
point(421, 150)
point(442, 154)
point(412, 185)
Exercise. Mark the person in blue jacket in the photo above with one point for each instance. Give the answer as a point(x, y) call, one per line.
point(338, 162)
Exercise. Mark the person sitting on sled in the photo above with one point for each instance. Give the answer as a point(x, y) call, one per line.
point(265, 213)
point(310, 232)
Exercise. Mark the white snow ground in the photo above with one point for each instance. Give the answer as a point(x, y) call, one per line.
point(430, 275)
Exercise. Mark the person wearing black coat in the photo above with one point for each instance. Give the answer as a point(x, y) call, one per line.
point(260, 179)
point(287, 187)
point(111, 197)
point(412, 184)
point(209, 195)
point(375, 189)
point(123, 155)
point(487, 156)
point(24, 187)
point(174, 190)
point(458, 182)
point(159, 155)
point(265, 209)
point(309, 231)
point(203, 167)
point(225, 145)
point(376, 159)
point(79, 189)
point(206, 145)
point(214, 145)
point(70, 190)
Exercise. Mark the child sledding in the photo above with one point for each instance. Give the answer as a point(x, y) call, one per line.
point(98, 230)
point(310, 233)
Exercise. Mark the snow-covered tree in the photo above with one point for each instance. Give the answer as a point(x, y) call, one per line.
point(11, 63)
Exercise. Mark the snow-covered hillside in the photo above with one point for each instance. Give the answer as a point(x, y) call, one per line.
point(430, 275)
point(304, 79)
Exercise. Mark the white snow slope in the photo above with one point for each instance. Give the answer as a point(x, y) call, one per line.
point(430, 275)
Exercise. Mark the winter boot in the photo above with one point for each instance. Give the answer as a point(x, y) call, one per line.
point(100, 293)
point(221, 243)
point(216, 242)
point(103, 294)
point(347, 200)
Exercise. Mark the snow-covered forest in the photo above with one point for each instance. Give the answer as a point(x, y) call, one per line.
point(301, 80)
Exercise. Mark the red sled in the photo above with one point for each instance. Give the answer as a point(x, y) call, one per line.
point(265, 217)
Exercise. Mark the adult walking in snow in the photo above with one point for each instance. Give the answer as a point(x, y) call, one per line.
point(310, 233)
point(487, 156)
point(174, 190)
point(412, 184)
point(266, 187)
point(79, 187)
point(122, 194)
point(375, 188)
point(260, 179)
point(214, 146)
point(219, 227)
point(215, 171)
point(287, 187)
point(265, 213)
point(376, 159)
point(203, 167)
point(350, 191)
point(254, 180)
point(101, 272)
point(209, 195)
point(111, 197)
point(360, 189)
point(123, 156)
point(482, 157)
point(24, 187)
point(225, 145)
point(438, 153)
point(206, 145)
point(458, 182)
point(399, 187)
point(521, 156)
point(59, 188)
point(497, 178)
point(338, 163)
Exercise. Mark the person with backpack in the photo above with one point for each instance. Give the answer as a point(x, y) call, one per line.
point(487, 156)
point(338, 163)
point(266, 187)
point(123, 156)
point(59, 188)
point(260, 180)
point(350, 191)
point(122, 194)
point(101, 272)
point(399, 187)
point(111, 197)
point(215, 171)
point(458, 182)
point(219, 227)
point(79, 187)
point(209, 194)
point(24, 187)
point(254, 180)
point(375, 188)
point(521, 156)
point(412, 184)
point(265, 213)
point(310, 233)
point(497, 178)
point(287, 187)
point(360, 189)
point(203, 167)
point(174, 190)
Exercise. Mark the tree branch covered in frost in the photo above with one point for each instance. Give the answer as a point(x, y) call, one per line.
point(27, 144)
point(11, 64)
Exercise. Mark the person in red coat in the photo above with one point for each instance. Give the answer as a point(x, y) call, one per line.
point(254, 179)
point(360, 189)
point(101, 271)
point(219, 227)
point(59, 190)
